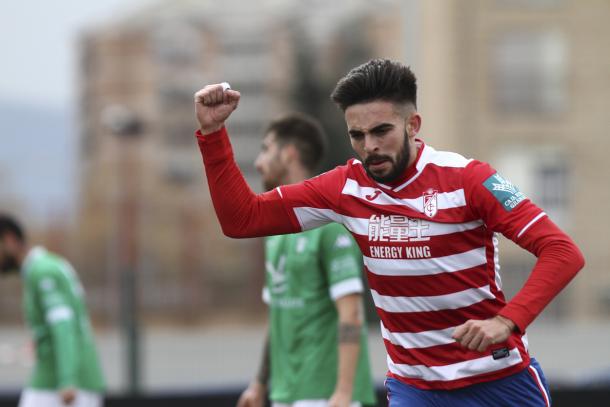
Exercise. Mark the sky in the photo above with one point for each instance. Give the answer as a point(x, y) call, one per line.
point(38, 92)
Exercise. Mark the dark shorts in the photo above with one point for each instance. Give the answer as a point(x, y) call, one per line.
point(528, 388)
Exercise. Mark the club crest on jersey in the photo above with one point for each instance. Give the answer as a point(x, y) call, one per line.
point(430, 202)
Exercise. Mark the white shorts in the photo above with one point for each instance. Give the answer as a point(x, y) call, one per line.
point(51, 398)
point(310, 403)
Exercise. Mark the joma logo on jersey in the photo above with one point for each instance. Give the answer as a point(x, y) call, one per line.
point(430, 202)
point(504, 191)
point(397, 228)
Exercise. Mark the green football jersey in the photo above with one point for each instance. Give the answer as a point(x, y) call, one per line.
point(56, 313)
point(306, 273)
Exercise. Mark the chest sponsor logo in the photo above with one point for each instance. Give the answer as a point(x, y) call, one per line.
point(504, 191)
point(397, 228)
point(400, 252)
point(430, 202)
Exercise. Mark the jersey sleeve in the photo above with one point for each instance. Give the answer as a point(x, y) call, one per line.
point(316, 201)
point(341, 261)
point(241, 212)
point(498, 202)
point(505, 209)
point(54, 299)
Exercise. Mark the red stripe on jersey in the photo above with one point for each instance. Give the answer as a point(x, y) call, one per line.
point(423, 286)
point(441, 355)
point(435, 320)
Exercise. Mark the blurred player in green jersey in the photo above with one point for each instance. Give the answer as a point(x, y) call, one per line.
point(67, 370)
point(316, 351)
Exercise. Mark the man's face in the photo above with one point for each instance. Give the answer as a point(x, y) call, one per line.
point(270, 163)
point(8, 257)
point(380, 135)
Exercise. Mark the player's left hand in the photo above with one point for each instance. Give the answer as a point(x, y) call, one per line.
point(340, 399)
point(479, 334)
point(68, 395)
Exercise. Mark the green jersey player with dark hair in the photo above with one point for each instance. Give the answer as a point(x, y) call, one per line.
point(316, 352)
point(67, 370)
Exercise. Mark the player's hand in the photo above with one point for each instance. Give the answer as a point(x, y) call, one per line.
point(340, 399)
point(214, 105)
point(253, 396)
point(479, 334)
point(67, 395)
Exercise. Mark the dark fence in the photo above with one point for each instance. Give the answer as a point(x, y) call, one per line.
point(228, 398)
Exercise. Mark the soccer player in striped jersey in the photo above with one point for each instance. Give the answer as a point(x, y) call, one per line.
point(426, 223)
point(316, 353)
point(67, 370)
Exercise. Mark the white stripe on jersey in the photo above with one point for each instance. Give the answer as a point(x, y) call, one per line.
point(455, 300)
point(310, 218)
point(423, 267)
point(445, 200)
point(531, 222)
point(424, 339)
point(455, 371)
point(497, 277)
point(440, 158)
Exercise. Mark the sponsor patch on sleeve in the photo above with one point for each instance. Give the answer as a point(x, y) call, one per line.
point(504, 191)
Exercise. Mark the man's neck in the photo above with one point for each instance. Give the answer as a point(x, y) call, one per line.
point(295, 175)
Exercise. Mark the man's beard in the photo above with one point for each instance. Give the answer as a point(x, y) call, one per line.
point(9, 265)
point(398, 167)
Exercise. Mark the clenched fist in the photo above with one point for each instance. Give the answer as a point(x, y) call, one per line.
point(480, 334)
point(214, 104)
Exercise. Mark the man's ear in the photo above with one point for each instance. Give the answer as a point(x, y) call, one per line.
point(413, 124)
point(289, 153)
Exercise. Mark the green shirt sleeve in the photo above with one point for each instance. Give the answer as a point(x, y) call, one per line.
point(341, 260)
point(59, 315)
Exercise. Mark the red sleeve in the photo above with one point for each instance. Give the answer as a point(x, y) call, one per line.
point(240, 211)
point(505, 209)
point(559, 259)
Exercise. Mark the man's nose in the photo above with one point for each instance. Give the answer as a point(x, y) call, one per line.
point(258, 164)
point(371, 144)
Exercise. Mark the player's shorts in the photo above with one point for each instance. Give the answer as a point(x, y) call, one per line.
point(310, 403)
point(528, 388)
point(51, 398)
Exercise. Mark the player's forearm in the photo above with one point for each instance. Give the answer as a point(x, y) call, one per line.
point(559, 259)
point(265, 366)
point(240, 211)
point(64, 349)
point(349, 349)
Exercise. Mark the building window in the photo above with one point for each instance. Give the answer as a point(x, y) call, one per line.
point(529, 73)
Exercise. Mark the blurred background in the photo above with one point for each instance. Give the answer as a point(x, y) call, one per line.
point(99, 160)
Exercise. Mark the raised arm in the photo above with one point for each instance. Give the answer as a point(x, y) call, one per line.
point(240, 211)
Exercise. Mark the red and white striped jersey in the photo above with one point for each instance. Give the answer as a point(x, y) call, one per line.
point(430, 252)
point(431, 258)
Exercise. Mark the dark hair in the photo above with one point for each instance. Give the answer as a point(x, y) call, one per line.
point(8, 224)
point(305, 133)
point(378, 79)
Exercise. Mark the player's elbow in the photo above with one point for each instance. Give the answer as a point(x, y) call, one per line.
point(579, 259)
point(235, 232)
